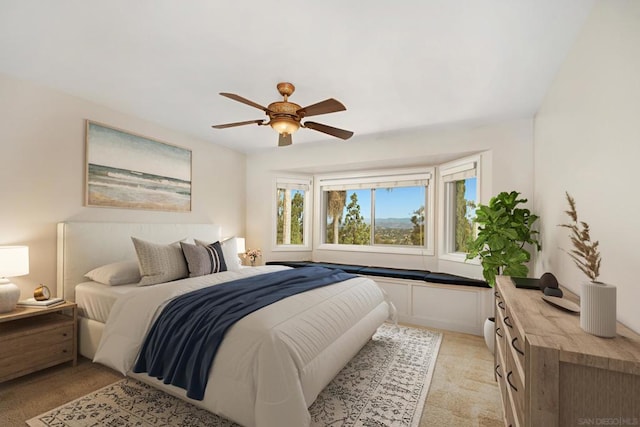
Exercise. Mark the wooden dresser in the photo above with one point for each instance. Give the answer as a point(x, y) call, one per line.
point(552, 373)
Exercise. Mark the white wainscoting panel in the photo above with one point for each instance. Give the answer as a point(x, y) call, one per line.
point(450, 307)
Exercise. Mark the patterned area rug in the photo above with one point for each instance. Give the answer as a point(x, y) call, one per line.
point(386, 384)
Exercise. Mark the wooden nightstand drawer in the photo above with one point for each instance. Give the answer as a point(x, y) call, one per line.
point(34, 357)
point(39, 341)
point(34, 339)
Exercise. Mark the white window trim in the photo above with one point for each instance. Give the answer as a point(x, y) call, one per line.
point(293, 182)
point(447, 172)
point(353, 180)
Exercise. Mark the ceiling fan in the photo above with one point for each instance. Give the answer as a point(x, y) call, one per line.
point(285, 117)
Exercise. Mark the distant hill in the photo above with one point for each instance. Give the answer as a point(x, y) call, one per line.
point(401, 223)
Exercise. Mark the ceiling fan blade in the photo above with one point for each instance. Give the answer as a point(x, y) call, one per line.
point(230, 125)
point(244, 101)
point(284, 140)
point(323, 107)
point(329, 130)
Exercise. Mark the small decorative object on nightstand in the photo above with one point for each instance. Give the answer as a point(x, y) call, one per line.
point(41, 293)
point(14, 261)
point(253, 255)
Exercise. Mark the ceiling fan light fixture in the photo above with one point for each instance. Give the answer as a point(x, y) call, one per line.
point(284, 125)
point(285, 116)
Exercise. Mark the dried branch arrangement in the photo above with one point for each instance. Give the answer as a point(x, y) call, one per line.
point(585, 253)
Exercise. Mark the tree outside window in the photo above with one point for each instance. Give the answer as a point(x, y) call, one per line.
point(290, 217)
point(376, 216)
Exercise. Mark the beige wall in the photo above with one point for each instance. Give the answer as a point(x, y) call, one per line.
point(507, 164)
point(42, 135)
point(587, 142)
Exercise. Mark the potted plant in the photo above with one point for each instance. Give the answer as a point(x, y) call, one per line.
point(504, 230)
point(597, 299)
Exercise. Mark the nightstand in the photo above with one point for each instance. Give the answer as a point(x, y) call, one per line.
point(34, 338)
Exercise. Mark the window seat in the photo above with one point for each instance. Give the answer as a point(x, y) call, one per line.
point(396, 273)
point(436, 300)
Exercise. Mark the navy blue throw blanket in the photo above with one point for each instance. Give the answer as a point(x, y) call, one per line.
point(182, 343)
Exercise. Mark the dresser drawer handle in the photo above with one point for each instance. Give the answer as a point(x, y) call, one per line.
point(501, 304)
point(513, 344)
point(64, 351)
point(497, 294)
point(506, 322)
point(509, 381)
point(498, 373)
point(498, 333)
point(64, 334)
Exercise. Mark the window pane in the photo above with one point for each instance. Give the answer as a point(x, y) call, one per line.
point(290, 218)
point(464, 198)
point(399, 216)
point(348, 217)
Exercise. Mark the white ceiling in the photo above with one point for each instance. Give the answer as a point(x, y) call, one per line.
point(394, 64)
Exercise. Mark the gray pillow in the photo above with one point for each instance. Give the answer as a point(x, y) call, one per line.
point(159, 263)
point(203, 260)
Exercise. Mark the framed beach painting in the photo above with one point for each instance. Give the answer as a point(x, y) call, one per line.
point(125, 170)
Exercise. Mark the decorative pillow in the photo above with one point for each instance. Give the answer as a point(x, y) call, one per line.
point(117, 273)
point(230, 251)
point(203, 260)
point(159, 263)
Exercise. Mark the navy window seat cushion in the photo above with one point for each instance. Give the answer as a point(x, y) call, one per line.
point(398, 273)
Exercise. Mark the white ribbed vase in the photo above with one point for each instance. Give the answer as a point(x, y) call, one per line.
point(598, 309)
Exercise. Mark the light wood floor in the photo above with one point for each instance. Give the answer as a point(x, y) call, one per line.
point(462, 393)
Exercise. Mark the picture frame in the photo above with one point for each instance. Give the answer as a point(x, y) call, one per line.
point(130, 171)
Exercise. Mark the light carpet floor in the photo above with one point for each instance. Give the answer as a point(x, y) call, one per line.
point(386, 384)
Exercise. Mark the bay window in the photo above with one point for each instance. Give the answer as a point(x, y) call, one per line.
point(292, 213)
point(377, 211)
point(459, 199)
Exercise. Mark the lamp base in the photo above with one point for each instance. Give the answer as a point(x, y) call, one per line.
point(9, 296)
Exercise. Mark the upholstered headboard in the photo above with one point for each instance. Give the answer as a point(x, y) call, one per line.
point(83, 246)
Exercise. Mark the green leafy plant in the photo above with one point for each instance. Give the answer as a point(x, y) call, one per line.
point(585, 253)
point(503, 231)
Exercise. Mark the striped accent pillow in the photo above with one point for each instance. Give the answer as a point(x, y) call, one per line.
point(203, 260)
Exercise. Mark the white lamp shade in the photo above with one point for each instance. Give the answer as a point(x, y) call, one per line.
point(241, 245)
point(14, 261)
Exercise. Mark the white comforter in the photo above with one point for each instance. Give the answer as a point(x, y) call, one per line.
point(274, 362)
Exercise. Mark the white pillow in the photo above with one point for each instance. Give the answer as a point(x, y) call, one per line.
point(160, 263)
point(117, 273)
point(229, 251)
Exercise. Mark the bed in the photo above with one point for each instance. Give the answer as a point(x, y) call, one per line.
point(272, 364)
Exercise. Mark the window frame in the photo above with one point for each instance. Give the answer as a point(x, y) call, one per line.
point(373, 177)
point(293, 181)
point(446, 210)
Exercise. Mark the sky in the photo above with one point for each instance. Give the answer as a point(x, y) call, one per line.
point(115, 148)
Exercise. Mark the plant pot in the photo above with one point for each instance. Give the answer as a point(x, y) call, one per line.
point(598, 309)
point(490, 333)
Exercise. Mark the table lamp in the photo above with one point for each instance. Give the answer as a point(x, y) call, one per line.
point(14, 261)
